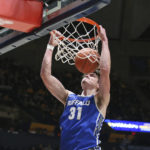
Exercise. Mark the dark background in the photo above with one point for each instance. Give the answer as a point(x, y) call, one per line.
point(128, 28)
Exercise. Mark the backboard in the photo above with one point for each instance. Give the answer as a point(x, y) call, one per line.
point(56, 13)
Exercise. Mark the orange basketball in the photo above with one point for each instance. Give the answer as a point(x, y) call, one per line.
point(87, 60)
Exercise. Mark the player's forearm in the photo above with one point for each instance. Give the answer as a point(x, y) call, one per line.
point(46, 63)
point(105, 60)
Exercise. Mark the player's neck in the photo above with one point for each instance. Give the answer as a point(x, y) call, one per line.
point(88, 92)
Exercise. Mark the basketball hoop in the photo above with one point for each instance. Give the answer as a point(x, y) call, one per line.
point(77, 35)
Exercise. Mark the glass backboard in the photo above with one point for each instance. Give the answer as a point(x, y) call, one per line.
point(56, 13)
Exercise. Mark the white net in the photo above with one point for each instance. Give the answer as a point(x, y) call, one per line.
point(75, 37)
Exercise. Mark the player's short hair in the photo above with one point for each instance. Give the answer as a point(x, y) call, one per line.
point(97, 72)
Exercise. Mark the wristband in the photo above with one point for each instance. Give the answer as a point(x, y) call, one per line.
point(50, 47)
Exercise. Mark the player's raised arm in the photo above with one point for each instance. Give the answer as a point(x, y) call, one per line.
point(52, 84)
point(104, 82)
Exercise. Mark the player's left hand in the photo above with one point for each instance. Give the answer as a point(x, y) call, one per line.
point(103, 35)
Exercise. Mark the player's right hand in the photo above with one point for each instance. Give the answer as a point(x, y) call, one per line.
point(54, 38)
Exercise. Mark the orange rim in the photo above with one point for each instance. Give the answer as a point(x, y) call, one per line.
point(89, 21)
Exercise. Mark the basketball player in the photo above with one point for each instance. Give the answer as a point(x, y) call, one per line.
point(83, 114)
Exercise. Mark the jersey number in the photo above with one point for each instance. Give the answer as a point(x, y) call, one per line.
point(73, 112)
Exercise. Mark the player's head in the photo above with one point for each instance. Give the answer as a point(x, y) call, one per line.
point(91, 80)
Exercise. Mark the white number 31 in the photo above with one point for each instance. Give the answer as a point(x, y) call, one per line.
point(73, 113)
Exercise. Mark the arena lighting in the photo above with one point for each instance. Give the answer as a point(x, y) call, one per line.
point(130, 126)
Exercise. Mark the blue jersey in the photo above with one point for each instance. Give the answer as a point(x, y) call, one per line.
point(80, 124)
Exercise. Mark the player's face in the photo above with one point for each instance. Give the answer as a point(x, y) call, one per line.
point(90, 80)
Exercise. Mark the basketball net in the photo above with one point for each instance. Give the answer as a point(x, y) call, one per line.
point(83, 33)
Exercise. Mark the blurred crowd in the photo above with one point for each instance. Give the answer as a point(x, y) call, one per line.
point(22, 88)
point(37, 147)
point(144, 86)
point(125, 104)
point(23, 93)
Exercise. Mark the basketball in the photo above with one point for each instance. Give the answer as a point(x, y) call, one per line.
point(87, 60)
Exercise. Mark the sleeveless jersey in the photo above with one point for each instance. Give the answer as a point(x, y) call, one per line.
point(80, 124)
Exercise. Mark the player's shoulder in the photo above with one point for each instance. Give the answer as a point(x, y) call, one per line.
point(70, 92)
